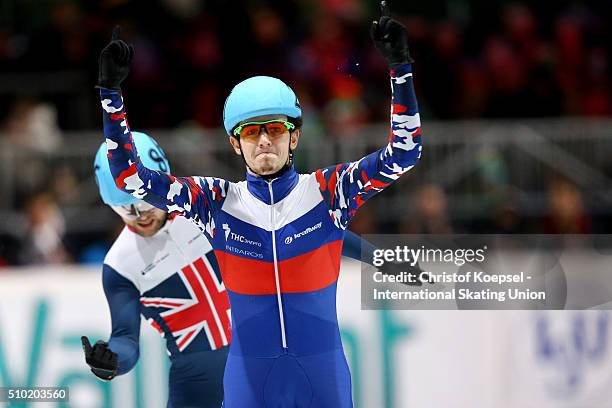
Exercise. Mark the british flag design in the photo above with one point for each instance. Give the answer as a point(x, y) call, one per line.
point(181, 291)
point(207, 308)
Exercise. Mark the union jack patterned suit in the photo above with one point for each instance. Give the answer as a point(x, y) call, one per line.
point(278, 245)
point(173, 280)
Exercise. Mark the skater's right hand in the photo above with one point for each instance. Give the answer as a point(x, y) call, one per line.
point(101, 359)
point(114, 62)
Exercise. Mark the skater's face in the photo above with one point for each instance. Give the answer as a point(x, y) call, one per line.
point(266, 150)
point(147, 223)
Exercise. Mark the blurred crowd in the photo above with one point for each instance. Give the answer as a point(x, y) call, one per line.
point(474, 59)
point(496, 59)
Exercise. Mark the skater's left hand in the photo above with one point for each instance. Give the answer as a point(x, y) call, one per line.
point(390, 37)
point(101, 359)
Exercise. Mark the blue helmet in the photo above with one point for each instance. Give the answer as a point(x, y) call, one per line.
point(151, 155)
point(257, 96)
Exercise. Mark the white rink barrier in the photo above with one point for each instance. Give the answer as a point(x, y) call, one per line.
point(398, 359)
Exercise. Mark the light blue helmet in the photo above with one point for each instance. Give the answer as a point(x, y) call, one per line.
point(257, 96)
point(151, 155)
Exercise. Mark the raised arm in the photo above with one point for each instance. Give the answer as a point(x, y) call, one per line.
point(345, 187)
point(195, 197)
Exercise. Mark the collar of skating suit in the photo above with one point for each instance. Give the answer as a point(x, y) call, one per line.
point(281, 186)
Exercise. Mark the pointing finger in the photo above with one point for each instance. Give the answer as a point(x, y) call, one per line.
point(384, 8)
point(86, 345)
point(116, 33)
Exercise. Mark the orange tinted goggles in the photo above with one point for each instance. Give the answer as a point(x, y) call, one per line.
point(273, 128)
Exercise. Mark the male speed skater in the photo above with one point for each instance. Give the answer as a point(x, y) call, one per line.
point(281, 275)
point(162, 267)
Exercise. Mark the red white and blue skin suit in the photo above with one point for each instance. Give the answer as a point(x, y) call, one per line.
point(278, 244)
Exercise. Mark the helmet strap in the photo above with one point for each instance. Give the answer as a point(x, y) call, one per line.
point(280, 172)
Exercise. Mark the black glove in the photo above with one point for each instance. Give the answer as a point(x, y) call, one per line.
point(114, 62)
point(101, 359)
point(390, 38)
point(396, 268)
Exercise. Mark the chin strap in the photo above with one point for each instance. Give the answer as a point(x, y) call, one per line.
point(280, 172)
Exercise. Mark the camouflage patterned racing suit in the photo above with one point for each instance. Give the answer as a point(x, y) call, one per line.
point(278, 244)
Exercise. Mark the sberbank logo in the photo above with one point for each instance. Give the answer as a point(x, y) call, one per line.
point(72, 371)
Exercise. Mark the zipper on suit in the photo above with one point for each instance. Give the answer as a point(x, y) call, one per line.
point(276, 276)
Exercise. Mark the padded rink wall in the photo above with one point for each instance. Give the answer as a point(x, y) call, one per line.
point(398, 358)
